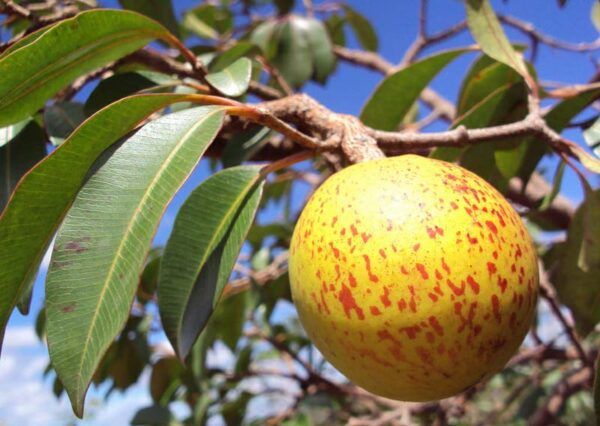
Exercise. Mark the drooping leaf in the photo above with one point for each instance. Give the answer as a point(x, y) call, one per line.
point(575, 265)
point(66, 51)
point(228, 319)
point(488, 33)
point(395, 95)
point(200, 254)
point(321, 49)
point(62, 118)
point(30, 220)
point(149, 277)
point(234, 79)
point(101, 246)
point(335, 28)
point(159, 10)
point(293, 59)
point(365, 33)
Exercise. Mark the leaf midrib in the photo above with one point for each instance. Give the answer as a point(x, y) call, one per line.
point(127, 233)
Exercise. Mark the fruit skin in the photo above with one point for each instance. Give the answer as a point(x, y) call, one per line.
point(414, 277)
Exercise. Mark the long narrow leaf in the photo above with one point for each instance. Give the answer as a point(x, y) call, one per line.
point(396, 94)
point(201, 252)
point(101, 246)
point(43, 196)
point(488, 33)
point(59, 55)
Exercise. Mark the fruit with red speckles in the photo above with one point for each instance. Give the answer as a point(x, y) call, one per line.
point(414, 277)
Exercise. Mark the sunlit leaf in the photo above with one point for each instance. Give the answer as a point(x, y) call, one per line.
point(43, 196)
point(365, 33)
point(66, 51)
point(232, 80)
point(488, 33)
point(200, 254)
point(395, 95)
point(101, 246)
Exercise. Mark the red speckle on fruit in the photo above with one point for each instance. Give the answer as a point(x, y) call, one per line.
point(416, 247)
point(333, 222)
point(433, 322)
point(473, 284)
point(372, 277)
point(472, 240)
point(404, 270)
point(401, 305)
point(422, 271)
point(351, 280)
point(365, 237)
point(491, 267)
point(354, 230)
point(502, 283)
point(375, 310)
point(336, 251)
point(491, 226)
point(349, 303)
point(411, 332)
point(445, 266)
point(496, 308)
point(385, 297)
point(438, 275)
point(458, 291)
point(382, 253)
point(454, 205)
point(433, 297)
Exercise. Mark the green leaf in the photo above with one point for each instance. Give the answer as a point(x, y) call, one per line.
point(19, 155)
point(396, 94)
point(102, 244)
point(234, 79)
point(119, 86)
point(208, 21)
point(595, 15)
point(164, 379)
point(62, 118)
point(265, 37)
point(242, 146)
point(155, 415)
point(321, 49)
point(365, 33)
point(200, 254)
point(335, 28)
point(66, 51)
point(227, 322)
point(557, 118)
point(233, 412)
point(293, 59)
point(575, 265)
point(149, 278)
point(240, 50)
point(557, 182)
point(159, 10)
point(488, 33)
point(43, 196)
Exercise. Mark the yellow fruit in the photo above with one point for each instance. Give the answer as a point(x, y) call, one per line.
point(414, 277)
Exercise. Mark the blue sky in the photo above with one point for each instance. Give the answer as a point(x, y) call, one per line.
point(26, 398)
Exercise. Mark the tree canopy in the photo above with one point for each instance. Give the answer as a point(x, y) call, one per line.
point(106, 113)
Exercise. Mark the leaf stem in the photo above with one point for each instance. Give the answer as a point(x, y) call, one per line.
point(287, 162)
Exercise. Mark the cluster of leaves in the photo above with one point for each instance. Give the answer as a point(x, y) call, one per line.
point(119, 157)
